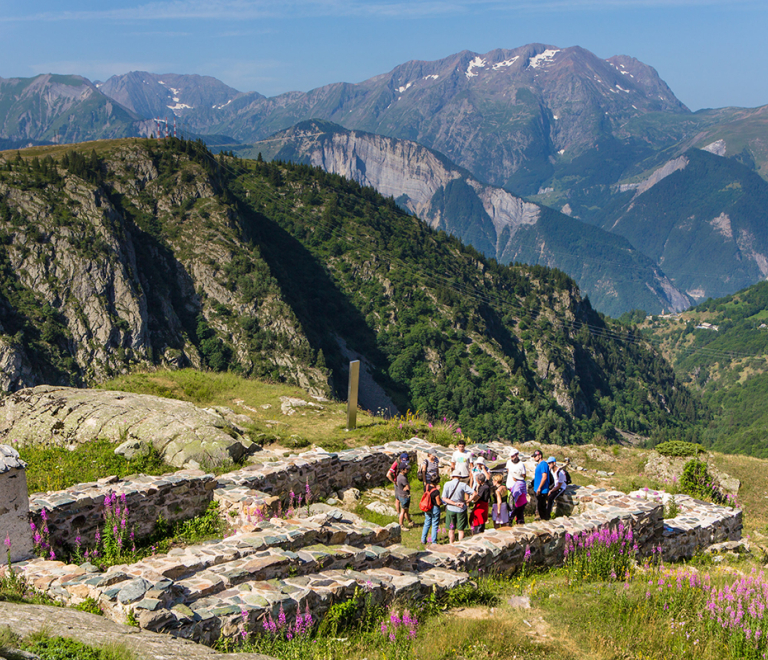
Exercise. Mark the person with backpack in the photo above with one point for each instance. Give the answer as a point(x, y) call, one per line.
point(561, 477)
point(430, 504)
point(430, 468)
point(482, 499)
point(517, 487)
point(454, 497)
point(542, 483)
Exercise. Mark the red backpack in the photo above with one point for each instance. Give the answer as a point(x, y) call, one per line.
point(425, 504)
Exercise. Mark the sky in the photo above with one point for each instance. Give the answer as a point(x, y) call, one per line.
point(711, 54)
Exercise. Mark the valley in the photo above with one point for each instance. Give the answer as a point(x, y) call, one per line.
point(531, 252)
point(601, 141)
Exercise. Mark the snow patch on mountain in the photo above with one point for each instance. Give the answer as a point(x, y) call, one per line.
point(179, 106)
point(434, 76)
point(505, 63)
point(477, 63)
point(404, 87)
point(541, 59)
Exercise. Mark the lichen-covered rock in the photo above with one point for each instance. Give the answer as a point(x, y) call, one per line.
point(67, 416)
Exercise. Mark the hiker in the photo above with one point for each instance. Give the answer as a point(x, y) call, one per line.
point(454, 493)
point(430, 468)
point(461, 460)
point(430, 504)
point(518, 490)
point(500, 510)
point(479, 467)
point(403, 495)
point(394, 471)
point(482, 498)
point(560, 475)
point(542, 482)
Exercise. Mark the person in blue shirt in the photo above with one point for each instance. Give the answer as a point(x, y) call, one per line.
point(541, 485)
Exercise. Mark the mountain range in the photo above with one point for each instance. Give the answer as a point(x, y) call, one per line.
point(598, 140)
point(499, 224)
point(142, 253)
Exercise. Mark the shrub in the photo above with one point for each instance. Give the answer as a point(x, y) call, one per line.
point(697, 482)
point(674, 448)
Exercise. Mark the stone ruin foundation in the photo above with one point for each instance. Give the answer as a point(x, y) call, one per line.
point(310, 561)
point(14, 506)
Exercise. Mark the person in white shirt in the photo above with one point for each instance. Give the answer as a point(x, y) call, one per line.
point(517, 487)
point(515, 469)
point(461, 461)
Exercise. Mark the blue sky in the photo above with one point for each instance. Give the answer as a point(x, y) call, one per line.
point(711, 54)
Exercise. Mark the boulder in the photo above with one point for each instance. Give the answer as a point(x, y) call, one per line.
point(350, 497)
point(383, 509)
point(183, 433)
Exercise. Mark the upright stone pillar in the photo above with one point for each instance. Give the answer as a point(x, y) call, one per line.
point(14, 507)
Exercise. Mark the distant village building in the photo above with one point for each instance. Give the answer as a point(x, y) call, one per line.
point(707, 326)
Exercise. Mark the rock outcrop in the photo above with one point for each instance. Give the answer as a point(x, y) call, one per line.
point(184, 434)
point(669, 470)
point(494, 221)
point(144, 266)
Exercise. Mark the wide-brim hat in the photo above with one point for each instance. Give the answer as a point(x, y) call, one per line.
point(513, 452)
point(480, 460)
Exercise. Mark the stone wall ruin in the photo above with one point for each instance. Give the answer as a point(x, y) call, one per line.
point(309, 561)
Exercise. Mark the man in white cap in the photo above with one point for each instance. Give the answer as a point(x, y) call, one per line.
point(517, 486)
point(479, 467)
point(453, 497)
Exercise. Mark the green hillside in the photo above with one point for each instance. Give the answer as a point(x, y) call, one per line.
point(729, 367)
point(615, 276)
point(707, 224)
point(269, 269)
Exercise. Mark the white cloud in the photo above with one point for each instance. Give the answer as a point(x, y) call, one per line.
point(243, 10)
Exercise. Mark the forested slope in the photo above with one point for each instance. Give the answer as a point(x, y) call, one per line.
point(150, 253)
point(728, 366)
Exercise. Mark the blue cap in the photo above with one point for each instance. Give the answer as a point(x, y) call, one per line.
point(551, 459)
point(403, 456)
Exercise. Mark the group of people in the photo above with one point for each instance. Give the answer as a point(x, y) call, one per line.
point(473, 495)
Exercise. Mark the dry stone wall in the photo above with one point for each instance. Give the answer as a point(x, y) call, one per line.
point(79, 510)
point(318, 557)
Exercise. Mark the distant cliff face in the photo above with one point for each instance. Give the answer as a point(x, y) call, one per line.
point(496, 222)
point(131, 261)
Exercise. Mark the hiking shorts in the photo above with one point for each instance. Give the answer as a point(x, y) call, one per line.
point(405, 502)
point(456, 520)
